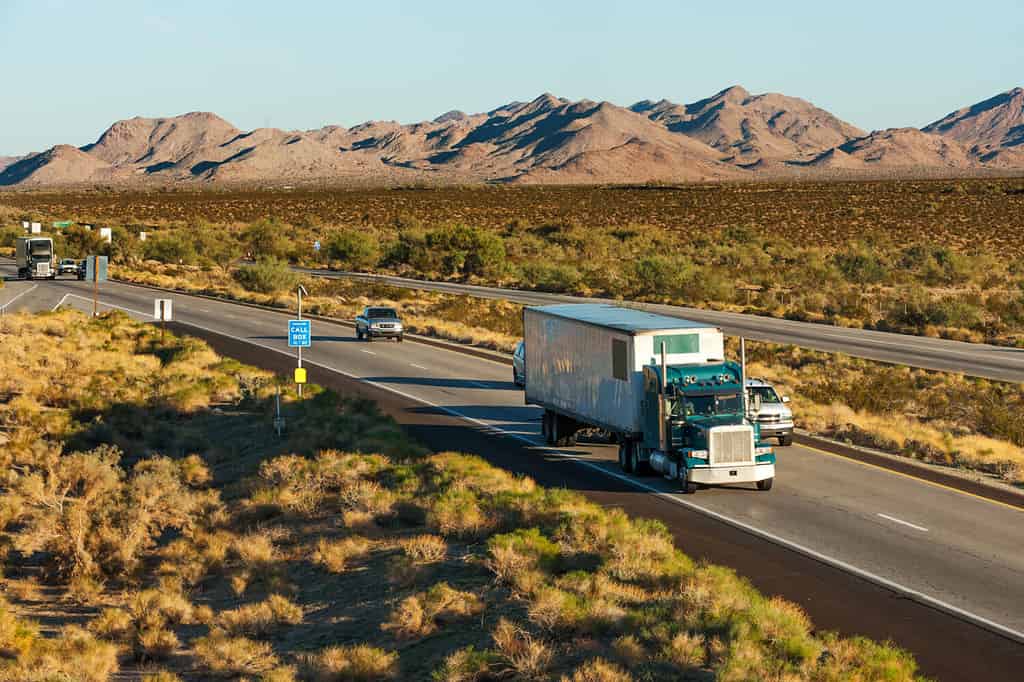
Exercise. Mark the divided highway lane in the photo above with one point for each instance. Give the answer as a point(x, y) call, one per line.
point(945, 545)
point(974, 359)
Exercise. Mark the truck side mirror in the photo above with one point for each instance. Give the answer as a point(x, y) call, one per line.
point(757, 402)
point(785, 398)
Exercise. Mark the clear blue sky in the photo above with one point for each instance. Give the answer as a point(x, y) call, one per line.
point(70, 68)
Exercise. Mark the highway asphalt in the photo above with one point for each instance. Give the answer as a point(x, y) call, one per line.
point(974, 359)
point(862, 549)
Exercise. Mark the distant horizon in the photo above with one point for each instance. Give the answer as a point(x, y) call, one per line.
point(499, 105)
point(72, 69)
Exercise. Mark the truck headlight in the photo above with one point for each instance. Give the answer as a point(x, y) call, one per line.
point(762, 451)
point(699, 454)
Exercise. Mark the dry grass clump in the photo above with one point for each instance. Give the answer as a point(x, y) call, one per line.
point(222, 654)
point(355, 663)
point(73, 653)
point(262, 618)
point(598, 670)
point(425, 548)
point(146, 626)
point(525, 654)
point(422, 614)
point(334, 555)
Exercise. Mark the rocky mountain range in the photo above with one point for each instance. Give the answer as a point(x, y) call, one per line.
point(729, 136)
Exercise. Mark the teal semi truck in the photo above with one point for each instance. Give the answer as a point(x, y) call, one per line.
point(660, 385)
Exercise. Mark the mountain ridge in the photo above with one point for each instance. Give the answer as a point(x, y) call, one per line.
point(733, 134)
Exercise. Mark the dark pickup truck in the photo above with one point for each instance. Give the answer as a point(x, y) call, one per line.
point(378, 322)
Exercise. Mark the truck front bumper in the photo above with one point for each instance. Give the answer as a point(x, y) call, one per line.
point(749, 473)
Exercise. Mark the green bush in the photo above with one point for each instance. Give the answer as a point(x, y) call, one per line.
point(267, 276)
point(171, 247)
point(357, 250)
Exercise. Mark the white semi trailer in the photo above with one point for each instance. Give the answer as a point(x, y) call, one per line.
point(34, 258)
point(660, 384)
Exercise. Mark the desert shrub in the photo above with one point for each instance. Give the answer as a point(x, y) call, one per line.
point(598, 670)
point(221, 654)
point(357, 663)
point(268, 276)
point(553, 277)
point(73, 653)
point(262, 618)
point(425, 548)
point(170, 247)
point(356, 249)
point(94, 520)
point(334, 555)
point(528, 656)
point(266, 239)
point(421, 614)
point(146, 625)
point(467, 665)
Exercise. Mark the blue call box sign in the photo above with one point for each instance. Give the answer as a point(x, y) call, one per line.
point(300, 334)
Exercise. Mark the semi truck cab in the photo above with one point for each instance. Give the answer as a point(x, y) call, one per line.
point(34, 257)
point(696, 431)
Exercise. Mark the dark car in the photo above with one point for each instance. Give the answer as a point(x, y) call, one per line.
point(519, 364)
point(379, 322)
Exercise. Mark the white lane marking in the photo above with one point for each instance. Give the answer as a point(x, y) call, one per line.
point(60, 302)
point(419, 367)
point(368, 352)
point(669, 497)
point(109, 305)
point(32, 288)
point(901, 521)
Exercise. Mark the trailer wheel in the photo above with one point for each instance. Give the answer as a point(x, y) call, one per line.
point(689, 487)
point(636, 465)
point(626, 456)
point(548, 426)
point(766, 484)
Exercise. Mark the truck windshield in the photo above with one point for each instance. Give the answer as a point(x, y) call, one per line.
point(381, 313)
point(708, 405)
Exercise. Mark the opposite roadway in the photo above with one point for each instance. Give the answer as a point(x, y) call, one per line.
point(864, 550)
point(974, 359)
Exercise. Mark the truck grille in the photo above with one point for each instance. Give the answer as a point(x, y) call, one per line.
point(732, 445)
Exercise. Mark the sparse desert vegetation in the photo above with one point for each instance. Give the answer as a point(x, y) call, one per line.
point(925, 257)
point(177, 538)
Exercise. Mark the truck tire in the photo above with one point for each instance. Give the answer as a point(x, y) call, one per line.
point(636, 465)
point(359, 334)
point(786, 440)
point(626, 456)
point(563, 431)
point(400, 338)
point(547, 427)
point(689, 487)
point(766, 484)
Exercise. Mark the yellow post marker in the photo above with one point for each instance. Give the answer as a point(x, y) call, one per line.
point(300, 375)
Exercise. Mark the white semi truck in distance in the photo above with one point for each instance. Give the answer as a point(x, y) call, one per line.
point(661, 385)
point(34, 257)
